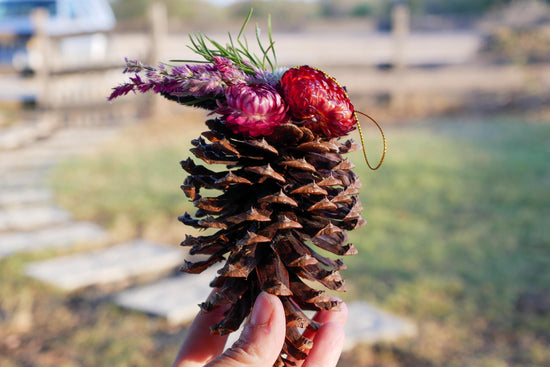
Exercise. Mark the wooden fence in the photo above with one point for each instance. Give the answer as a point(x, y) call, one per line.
point(73, 89)
point(76, 92)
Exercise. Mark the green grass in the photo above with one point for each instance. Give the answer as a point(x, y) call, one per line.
point(41, 326)
point(458, 229)
point(141, 184)
point(465, 201)
point(132, 187)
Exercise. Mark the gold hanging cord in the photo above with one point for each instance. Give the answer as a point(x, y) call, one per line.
point(363, 141)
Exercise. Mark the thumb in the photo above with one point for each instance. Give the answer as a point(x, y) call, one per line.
point(262, 338)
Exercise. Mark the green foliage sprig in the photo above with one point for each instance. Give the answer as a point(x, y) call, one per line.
point(237, 50)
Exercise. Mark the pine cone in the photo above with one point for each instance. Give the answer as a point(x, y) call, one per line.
point(286, 188)
point(281, 196)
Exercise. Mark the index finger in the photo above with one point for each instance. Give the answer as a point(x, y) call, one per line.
point(200, 346)
point(340, 317)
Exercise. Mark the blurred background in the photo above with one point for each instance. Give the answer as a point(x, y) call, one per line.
point(458, 234)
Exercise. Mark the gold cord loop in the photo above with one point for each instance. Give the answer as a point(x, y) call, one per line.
point(363, 141)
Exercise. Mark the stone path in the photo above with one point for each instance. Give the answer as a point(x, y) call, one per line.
point(108, 265)
point(24, 133)
point(30, 221)
point(180, 296)
point(32, 217)
point(66, 235)
point(24, 196)
point(369, 324)
point(12, 180)
point(29, 218)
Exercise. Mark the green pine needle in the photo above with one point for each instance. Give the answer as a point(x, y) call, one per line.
point(237, 51)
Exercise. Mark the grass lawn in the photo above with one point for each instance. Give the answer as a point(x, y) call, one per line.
point(459, 234)
point(458, 240)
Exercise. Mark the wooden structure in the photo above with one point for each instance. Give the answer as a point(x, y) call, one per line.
point(74, 90)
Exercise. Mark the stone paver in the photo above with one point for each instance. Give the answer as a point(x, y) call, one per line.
point(35, 152)
point(175, 299)
point(29, 156)
point(17, 219)
point(54, 237)
point(107, 265)
point(23, 179)
point(24, 196)
point(41, 162)
point(26, 136)
point(368, 324)
point(80, 136)
point(25, 132)
point(59, 146)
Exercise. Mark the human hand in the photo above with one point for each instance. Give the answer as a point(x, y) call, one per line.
point(262, 338)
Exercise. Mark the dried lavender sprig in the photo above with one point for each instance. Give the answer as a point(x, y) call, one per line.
point(135, 66)
point(200, 81)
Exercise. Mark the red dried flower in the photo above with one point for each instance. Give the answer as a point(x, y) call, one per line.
point(318, 100)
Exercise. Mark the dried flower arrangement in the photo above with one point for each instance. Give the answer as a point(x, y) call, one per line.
point(286, 187)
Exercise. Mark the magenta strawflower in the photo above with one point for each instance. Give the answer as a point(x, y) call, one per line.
point(253, 110)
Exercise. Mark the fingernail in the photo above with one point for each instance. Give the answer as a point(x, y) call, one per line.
point(262, 310)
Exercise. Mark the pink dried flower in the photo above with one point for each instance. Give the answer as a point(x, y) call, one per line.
point(253, 110)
